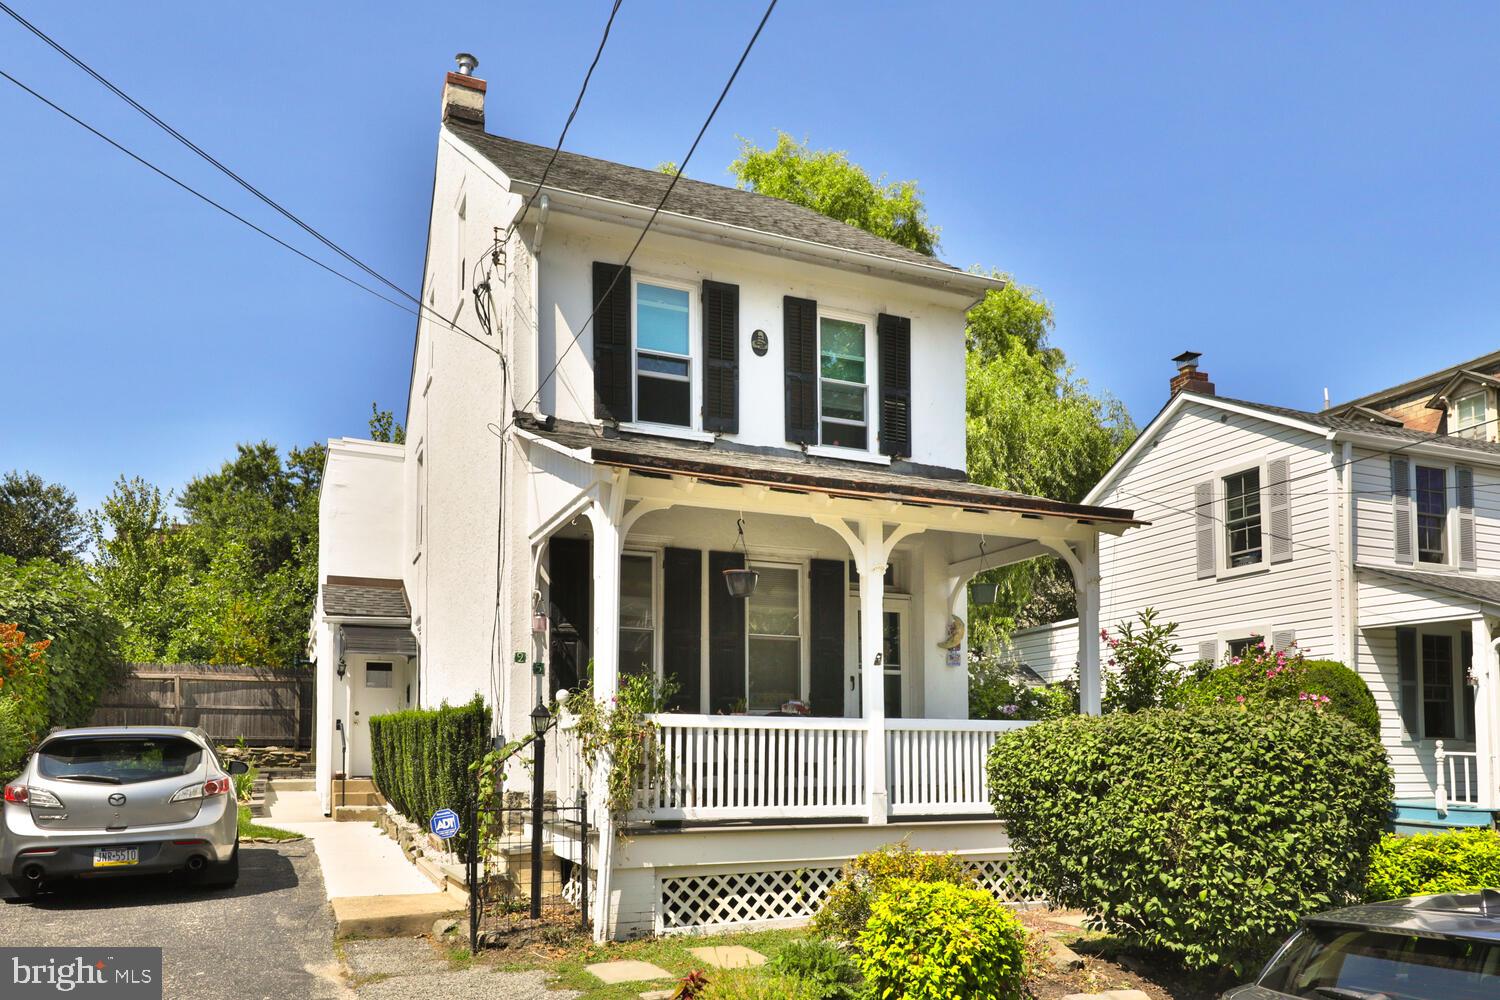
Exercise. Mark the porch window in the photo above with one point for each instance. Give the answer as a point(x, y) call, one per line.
point(1437, 687)
point(1470, 416)
point(378, 675)
point(843, 383)
point(637, 616)
point(1242, 517)
point(1432, 514)
point(663, 355)
point(773, 618)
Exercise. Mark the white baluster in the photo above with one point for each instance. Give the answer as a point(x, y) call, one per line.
point(1440, 759)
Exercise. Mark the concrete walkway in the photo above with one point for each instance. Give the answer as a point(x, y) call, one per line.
point(356, 858)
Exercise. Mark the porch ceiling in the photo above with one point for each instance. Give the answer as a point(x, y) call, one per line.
point(788, 472)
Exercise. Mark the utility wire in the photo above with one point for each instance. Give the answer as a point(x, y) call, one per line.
point(240, 218)
point(654, 213)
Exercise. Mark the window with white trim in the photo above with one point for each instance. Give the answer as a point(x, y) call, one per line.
point(637, 615)
point(773, 627)
point(843, 383)
point(663, 354)
point(1470, 415)
point(1432, 514)
point(1438, 701)
point(1242, 521)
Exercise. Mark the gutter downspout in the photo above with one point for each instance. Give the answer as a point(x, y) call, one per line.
point(1351, 552)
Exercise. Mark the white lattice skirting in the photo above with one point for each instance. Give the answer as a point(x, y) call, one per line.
point(780, 896)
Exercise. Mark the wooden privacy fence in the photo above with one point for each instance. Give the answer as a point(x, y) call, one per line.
point(259, 705)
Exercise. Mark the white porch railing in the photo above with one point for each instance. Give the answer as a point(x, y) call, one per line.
point(936, 766)
point(757, 767)
point(1457, 777)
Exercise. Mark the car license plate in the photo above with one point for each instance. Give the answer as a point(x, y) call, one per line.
point(115, 857)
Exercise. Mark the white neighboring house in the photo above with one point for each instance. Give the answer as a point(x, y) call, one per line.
point(1367, 533)
point(756, 362)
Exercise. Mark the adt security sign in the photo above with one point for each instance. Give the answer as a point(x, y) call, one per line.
point(444, 823)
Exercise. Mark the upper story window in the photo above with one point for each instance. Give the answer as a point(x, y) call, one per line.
point(1432, 514)
point(1470, 416)
point(663, 354)
point(1242, 522)
point(843, 384)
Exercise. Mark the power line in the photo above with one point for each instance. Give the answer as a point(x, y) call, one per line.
point(654, 213)
point(237, 217)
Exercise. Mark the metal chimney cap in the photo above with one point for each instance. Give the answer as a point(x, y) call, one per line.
point(467, 63)
point(1187, 359)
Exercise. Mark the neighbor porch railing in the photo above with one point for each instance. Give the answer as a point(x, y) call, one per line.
point(1457, 777)
point(935, 767)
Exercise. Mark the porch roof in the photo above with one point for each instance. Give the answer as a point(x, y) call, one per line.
point(799, 473)
point(1484, 589)
point(391, 640)
point(365, 597)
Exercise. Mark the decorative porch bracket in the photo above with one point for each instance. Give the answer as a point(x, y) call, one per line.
point(1083, 561)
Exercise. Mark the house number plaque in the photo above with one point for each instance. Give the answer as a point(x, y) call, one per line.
point(760, 343)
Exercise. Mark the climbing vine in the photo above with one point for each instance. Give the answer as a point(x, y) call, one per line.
point(619, 735)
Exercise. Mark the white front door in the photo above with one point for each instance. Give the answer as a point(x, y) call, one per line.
point(375, 688)
point(893, 661)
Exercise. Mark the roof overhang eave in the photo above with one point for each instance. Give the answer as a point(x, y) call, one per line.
point(612, 210)
point(1435, 448)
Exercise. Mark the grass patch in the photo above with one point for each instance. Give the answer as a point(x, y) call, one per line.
point(670, 953)
point(249, 828)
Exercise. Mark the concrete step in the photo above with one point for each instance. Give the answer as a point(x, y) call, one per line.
point(395, 916)
point(357, 798)
point(357, 814)
point(293, 784)
point(353, 785)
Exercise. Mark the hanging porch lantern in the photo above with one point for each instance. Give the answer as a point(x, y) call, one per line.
point(741, 582)
point(980, 591)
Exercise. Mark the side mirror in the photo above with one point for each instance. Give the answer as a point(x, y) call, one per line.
point(238, 767)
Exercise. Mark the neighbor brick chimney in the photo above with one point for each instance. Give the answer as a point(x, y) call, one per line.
point(1188, 376)
point(463, 93)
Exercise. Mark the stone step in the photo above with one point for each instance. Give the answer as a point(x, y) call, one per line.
point(357, 814)
point(293, 784)
point(394, 916)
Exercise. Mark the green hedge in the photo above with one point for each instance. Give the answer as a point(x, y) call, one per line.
point(1430, 863)
point(1201, 832)
point(936, 940)
point(1349, 695)
point(421, 759)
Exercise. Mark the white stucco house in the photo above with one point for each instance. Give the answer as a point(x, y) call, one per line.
point(1367, 533)
point(580, 454)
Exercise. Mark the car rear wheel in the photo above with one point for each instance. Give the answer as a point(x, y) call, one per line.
point(225, 874)
point(23, 888)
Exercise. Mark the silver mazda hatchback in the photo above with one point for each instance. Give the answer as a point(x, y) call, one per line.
point(121, 800)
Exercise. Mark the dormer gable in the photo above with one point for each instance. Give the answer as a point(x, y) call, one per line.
point(1468, 401)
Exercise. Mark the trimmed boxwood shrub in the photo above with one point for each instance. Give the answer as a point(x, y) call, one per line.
point(846, 908)
point(1268, 677)
point(1430, 863)
point(1202, 832)
point(937, 940)
point(421, 757)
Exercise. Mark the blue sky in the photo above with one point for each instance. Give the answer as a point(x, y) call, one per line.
point(1303, 193)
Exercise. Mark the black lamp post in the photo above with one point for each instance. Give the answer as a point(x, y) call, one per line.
point(540, 720)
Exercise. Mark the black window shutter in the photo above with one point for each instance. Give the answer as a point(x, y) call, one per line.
point(726, 636)
point(682, 626)
point(894, 333)
point(800, 332)
point(721, 370)
point(612, 393)
point(827, 593)
point(1406, 681)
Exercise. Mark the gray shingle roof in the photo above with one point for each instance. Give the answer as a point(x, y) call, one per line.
point(366, 599)
point(698, 199)
point(1481, 588)
point(1398, 435)
point(392, 639)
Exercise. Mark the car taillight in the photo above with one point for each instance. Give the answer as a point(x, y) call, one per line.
point(16, 793)
point(38, 798)
point(204, 790)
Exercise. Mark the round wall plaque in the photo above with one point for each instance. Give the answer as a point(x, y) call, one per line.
point(760, 343)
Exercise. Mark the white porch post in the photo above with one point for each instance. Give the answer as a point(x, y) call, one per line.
point(1090, 681)
point(872, 666)
point(604, 519)
point(1483, 667)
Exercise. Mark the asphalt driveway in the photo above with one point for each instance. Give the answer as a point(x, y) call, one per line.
point(268, 938)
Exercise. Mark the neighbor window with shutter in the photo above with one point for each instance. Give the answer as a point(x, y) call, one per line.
point(663, 354)
point(1242, 521)
point(843, 383)
point(1432, 514)
point(637, 615)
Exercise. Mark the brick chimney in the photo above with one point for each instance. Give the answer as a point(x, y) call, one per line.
point(1188, 376)
point(463, 93)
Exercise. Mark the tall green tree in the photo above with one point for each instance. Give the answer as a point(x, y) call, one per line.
point(39, 520)
point(383, 426)
point(826, 182)
point(1033, 425)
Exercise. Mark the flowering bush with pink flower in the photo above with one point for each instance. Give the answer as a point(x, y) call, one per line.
point(1286, 678)
point(1140, 666)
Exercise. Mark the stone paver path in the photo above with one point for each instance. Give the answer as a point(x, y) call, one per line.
point(627, 971)
point(731, 956)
